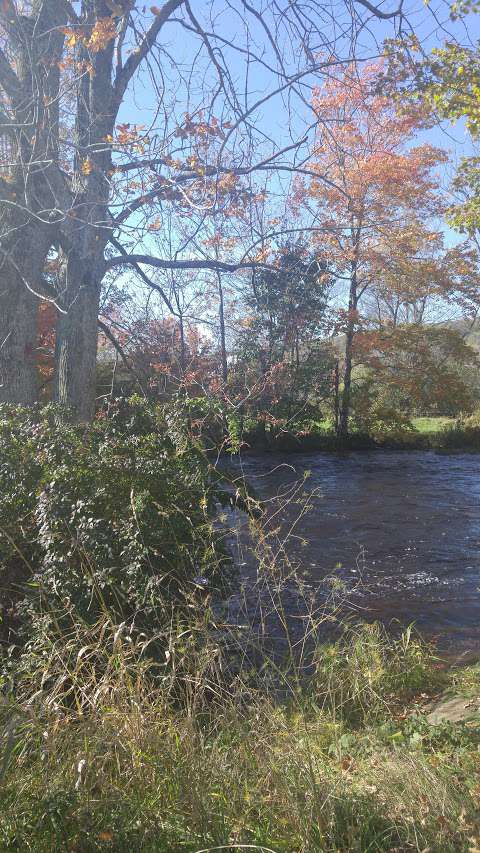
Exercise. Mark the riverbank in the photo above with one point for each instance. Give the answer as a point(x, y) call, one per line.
point(152, 700)
point(440, 434)
point(353, 763)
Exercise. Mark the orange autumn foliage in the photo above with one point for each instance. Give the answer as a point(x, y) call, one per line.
point(374, 191)
point(370, 179)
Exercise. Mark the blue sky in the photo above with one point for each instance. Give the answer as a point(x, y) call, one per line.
point(432, 26)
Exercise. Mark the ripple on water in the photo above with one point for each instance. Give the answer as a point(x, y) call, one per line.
point(401, 530)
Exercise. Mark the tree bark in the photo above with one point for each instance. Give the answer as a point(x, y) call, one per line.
point(18, 335)
point(221, 319)
point(85, 235)
point(21, 273)
point(76, 342)
point(336, 397)
point(29, 135)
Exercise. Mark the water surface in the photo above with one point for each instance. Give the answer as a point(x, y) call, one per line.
point(401, 529)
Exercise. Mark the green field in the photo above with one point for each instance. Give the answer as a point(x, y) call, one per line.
point(423, 424)
point(432, 424)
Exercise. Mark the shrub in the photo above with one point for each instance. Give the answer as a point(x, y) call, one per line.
point(109, 519)
point(464, 433)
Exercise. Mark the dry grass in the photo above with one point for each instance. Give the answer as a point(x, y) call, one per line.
point(110, 757)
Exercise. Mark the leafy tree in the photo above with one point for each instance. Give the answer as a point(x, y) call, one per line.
point(281, 348)
point(379, 187)
point(444, 85)
point(165, 357)
point(288, 303)
point(411, 369)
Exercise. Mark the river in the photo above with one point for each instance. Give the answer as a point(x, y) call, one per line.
point(400, 529)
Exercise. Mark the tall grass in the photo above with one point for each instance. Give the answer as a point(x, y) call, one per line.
point(102, 750)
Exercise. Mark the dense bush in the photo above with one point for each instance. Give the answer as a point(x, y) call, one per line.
point(112, 518)
point(464, 433)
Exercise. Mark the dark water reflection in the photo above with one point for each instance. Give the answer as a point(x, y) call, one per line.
point(401, 529)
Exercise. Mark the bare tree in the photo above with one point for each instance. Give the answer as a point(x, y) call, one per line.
point(67, 81)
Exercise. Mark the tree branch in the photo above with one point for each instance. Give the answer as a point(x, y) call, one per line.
point(118, 347)
point(142, 275)
point(161, 263)
point(69, 11)
point(126, 73)
point(385, 16)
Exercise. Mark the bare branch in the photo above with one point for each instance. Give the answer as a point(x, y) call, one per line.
point(145, 279)
point(126, 73)
point(375, 10)
point(69, 11)
point(163, 264)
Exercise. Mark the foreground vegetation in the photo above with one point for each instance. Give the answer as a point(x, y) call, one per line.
point(135, 714)
point(350, 763)
point(115, 517)
point(421, 433)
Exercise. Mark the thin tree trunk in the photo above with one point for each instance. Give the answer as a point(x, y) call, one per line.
point(336, 399)
point(221, 320)
point(345, 404)
point(183, 350)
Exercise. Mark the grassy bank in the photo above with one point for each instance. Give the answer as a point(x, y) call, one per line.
point(432, 425)
point(349, 764)
point(441, 434)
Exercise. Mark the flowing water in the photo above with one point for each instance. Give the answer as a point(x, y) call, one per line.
point(401, 529)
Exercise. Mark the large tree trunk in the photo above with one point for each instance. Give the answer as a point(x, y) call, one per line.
point(21, 272)
point(29, 150)
point(76, 342)
point(86, 234)
point(18, 308)
point(18, 339)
